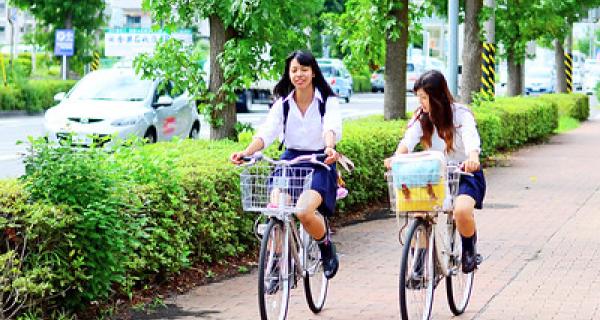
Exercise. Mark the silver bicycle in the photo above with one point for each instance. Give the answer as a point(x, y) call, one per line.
point(432, 251)
point(287, 252)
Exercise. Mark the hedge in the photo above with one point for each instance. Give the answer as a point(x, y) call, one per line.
point(33, 96)
point(574, 105)
point(361, 84)
point(99, 223)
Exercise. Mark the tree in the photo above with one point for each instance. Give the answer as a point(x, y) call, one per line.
point(366, 48)
point(558, 17)
point(515, 27)
point(472, 50)
point(85, 17)
point(248, 40)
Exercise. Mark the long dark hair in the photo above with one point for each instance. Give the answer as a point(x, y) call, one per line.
point(440, 109)
point(305, 58)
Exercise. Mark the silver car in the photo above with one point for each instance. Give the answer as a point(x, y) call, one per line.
point(115, 104)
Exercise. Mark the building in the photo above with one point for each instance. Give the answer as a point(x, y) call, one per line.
point(127, 14)
point(23, 23)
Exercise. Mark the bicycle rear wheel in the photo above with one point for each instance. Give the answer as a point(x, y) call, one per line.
point(417, 273)
point(273, 284)
point(458, 284)
point(315, 282)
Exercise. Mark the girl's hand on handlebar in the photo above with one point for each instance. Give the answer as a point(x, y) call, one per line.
point(388, 163)
point(237, 157)
point(332, 155)
point(471, 165)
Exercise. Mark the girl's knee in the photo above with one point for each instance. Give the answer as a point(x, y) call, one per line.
point(463, 213)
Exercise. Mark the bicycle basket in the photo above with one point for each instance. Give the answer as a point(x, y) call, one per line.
point(418, 182)
point(268, 188)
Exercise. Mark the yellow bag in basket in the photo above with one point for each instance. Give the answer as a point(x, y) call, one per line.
point(428, 198)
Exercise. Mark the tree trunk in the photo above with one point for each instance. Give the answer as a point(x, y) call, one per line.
point(219, 35)
point(472, 50)
point(515, 75)
point(394, 100)
point(559, 60)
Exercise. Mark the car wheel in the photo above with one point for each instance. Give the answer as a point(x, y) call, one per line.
point(150, 135)
point(195, 131)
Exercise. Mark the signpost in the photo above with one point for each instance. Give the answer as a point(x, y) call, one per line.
point(64, 45)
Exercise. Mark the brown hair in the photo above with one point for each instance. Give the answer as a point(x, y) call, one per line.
point(440, 109)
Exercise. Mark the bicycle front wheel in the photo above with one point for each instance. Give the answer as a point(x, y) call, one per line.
point(315, 282)
point(458, 284)
point(273, 284)
point(417, 273)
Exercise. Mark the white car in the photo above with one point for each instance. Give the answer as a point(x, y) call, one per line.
point(115, 104)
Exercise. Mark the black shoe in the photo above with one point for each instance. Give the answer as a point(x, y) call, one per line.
point(469, 261)
point(330, 262)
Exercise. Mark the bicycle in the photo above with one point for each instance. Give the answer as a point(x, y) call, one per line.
point(287, 251)
point(432, 251)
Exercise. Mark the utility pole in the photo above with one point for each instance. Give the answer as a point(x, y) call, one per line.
point(488, 66)
point(453, 46)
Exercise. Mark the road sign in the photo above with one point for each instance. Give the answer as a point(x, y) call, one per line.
point(64, 42)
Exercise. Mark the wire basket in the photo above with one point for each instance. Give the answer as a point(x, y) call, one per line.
point(267, 188)
point(406, 197)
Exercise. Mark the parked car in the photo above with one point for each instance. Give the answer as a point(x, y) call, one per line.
point(337, 76)
point(115, 104)
point(539, 80)
point(413, 72)
point(377, 80)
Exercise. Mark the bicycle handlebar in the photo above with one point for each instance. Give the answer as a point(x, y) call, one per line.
point(315, 158)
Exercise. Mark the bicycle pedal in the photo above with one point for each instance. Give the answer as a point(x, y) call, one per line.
point(478, 259)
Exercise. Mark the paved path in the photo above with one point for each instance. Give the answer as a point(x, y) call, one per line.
point(539, 233)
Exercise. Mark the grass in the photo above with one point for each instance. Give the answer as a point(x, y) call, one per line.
point(566, 123)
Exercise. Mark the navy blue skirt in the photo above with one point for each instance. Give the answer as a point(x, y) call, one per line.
point(473, 186)
point(324, 181)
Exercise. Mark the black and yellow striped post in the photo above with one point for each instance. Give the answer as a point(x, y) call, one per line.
point(95, 65)
point(488, 68)
point(569, 71)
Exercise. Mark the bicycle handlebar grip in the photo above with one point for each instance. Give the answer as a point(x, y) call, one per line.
point(321, 156)
point(247, 159)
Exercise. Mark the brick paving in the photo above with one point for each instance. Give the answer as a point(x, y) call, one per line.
point(539, 234)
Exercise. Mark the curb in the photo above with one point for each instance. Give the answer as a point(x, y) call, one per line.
point(18, 113)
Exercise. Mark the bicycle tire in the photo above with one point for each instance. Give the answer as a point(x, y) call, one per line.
point(459, 285)
point(273, 300)
point(415, 286)
point(315, 282)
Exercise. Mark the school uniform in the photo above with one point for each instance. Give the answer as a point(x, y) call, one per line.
point(466, 139)
point(305, 134)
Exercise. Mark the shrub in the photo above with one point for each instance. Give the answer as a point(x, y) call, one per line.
point(361, 84)
point(575, 105)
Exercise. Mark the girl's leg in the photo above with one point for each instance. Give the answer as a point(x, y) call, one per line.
point(464, 206)
point(314, 224)
point(465, 222)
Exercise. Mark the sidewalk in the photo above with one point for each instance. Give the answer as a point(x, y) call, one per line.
point(539, 234)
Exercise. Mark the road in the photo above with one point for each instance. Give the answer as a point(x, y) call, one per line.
point(19, 128)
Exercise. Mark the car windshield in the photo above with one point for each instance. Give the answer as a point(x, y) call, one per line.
point(115, 86)
point(327, 70)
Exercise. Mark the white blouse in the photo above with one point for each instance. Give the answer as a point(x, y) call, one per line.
point(303, 132)
point(466, 137)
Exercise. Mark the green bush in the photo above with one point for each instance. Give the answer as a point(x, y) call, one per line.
point(575, 105)
point(361, 84)
point(33, 95)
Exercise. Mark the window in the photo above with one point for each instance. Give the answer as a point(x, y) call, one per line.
point(133, 21)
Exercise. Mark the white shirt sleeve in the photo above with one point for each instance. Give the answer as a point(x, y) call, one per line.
point(272, 128)
point(412, 135)
point(332, 120)
point(470, 136)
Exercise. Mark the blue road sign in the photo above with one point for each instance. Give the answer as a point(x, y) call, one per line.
point(64, 42)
